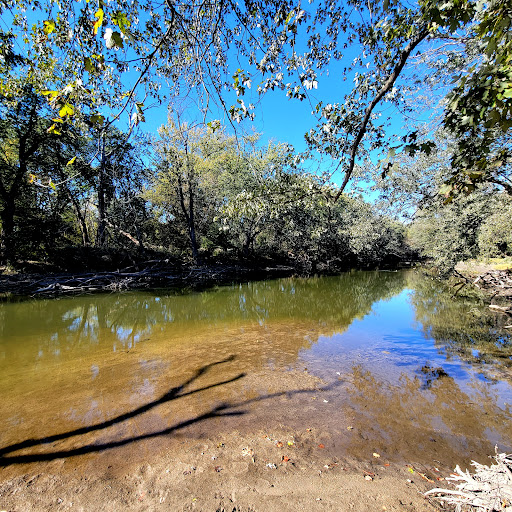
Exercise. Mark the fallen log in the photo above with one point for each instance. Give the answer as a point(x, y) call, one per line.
point(501, 309)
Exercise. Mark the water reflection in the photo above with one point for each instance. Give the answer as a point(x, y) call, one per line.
point(400, 361)
point(61, 329)
point(463, 328)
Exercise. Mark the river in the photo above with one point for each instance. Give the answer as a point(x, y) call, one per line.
point(382, 362)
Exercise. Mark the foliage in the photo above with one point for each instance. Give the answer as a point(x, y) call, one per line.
point(449, 233)
point(495, 235)
point(29, 151)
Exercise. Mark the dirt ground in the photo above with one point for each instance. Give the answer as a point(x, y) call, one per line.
point(260, 471)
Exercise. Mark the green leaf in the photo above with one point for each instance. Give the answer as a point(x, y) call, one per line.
point(97, 119)
point(89, 65)
point(52, 185)
point(120, 19)
point(288, 18)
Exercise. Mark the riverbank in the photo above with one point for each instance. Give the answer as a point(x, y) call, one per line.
point(149, 275)
point(493, 279)
point(262, 471)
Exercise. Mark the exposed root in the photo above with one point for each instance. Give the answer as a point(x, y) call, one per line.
point(488, 489)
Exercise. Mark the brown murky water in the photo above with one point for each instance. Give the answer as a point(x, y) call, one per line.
point(385, 362)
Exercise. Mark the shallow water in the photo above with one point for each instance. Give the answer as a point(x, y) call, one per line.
point(385, 362)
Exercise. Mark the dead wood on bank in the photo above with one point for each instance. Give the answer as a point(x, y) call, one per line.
point(150, 274)
point(488, 489)
point(495, 283)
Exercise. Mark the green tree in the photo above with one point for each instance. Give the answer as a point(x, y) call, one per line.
point(495, 234)
point(187, 169)
point(448, 233)
point(29, 154)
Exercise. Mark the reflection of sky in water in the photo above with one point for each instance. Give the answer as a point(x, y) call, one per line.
point(389, 342)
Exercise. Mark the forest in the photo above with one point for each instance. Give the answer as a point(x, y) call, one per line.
point(410, 162)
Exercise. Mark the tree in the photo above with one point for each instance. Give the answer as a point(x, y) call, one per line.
point(186, 173)
point(448, 233)
point(495, 233)
point(118, 175)
point(111, 58)
point(193, 48)
point(28, 151)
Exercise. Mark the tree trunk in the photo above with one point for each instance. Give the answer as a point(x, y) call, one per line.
point(8, 249)
point(101, 234)
point(189, 216)
point(81, 219)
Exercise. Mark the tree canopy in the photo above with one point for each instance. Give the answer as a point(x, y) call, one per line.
point(98, 62)
point(93, 67)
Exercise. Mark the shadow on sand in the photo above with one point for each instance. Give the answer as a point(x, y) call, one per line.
point(223, 410)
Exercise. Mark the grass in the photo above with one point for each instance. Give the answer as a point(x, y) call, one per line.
point(482, 265)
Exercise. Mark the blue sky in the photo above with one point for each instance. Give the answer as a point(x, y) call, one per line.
point(277, 117)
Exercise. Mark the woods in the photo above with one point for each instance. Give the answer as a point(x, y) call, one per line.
point(81, 168)
point(197, 195)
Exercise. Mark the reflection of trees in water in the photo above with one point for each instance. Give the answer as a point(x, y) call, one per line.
point(462, 326)
point(331, 303)
point(440, 423)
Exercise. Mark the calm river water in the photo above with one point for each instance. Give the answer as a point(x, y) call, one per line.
point(385, 362)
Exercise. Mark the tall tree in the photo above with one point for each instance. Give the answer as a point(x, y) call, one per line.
point(184, 183)
point(29, 153)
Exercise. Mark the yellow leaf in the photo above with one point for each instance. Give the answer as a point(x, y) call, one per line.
point(52, 94)
point(66, 110)
point(72, 161)
point(49, 26)
point(53, 129)
point(99, 22)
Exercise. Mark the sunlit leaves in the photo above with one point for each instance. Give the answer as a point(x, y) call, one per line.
point(51, 94)
point(121, 20)
point(66, 110)
point(54, 129)
point(113, 39)
point(49, 26)
point(99, 21)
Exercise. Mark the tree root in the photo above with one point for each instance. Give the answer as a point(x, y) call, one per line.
point(488, 489)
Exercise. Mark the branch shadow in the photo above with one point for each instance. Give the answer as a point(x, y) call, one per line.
point(223, 410)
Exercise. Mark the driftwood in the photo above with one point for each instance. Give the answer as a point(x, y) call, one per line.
point(495, 283)
point(488, 489)
point(501, 309)
point(150, 274)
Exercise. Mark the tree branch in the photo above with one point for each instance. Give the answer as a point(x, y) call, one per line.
point(380, 94)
